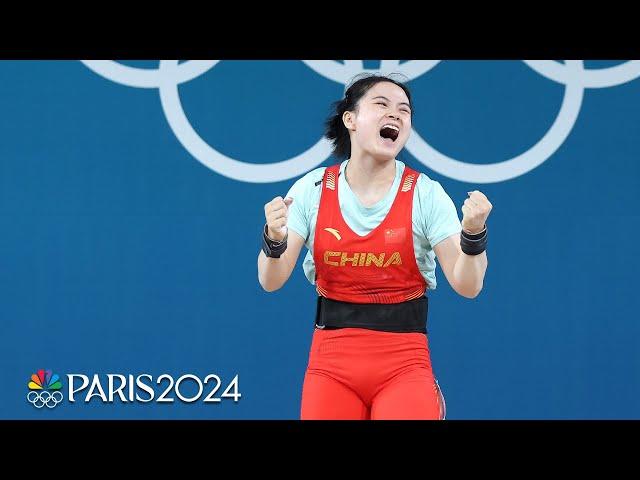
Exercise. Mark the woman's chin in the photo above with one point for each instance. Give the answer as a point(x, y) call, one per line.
point(385, 153)
point(381, 152)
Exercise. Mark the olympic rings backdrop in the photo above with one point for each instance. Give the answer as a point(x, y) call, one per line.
point(132, 204)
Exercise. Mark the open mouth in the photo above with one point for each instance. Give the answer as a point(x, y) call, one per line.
point(390, 132)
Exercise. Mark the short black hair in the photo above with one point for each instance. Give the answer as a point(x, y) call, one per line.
point(360, 85)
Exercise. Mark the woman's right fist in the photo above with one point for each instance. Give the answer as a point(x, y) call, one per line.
point(276, 213)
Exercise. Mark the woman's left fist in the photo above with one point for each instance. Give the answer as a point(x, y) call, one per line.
point(475, 211)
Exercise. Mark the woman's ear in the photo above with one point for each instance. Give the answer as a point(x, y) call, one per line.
point(348, 120)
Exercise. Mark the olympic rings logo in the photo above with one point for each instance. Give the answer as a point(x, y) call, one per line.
point(40, 399)
point(170, 73)
point(44, 386)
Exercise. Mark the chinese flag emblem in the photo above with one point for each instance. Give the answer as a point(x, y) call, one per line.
point(394, 235)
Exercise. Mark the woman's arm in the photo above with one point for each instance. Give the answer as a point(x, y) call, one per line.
point(465, 273)
point(274, 272)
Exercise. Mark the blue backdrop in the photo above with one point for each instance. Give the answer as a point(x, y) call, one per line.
point(131, 203)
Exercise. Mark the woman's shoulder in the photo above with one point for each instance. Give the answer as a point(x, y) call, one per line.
point(425, 183)
point(311, 179)
point(308, 185)
point(429, 191)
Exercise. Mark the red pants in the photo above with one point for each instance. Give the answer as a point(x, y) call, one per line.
point(359, 374)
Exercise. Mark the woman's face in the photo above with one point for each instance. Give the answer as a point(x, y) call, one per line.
point(381, 124)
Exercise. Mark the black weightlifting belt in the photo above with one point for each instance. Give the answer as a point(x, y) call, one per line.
point(402, 317)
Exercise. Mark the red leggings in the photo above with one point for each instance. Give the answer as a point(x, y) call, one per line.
point(359, 374)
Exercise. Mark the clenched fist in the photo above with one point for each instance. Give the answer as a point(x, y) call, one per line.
point(475, 211)
point(276, 213)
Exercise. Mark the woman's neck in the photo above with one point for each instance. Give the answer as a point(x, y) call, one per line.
point(370, 179)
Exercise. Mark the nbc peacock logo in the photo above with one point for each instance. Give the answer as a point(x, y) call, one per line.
point(44, 389)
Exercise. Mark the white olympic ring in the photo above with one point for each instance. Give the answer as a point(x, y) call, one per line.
point(39, 399)
point(171, 73)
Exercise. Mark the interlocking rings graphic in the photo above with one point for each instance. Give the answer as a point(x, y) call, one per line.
point(170, 73)
point(40, 399)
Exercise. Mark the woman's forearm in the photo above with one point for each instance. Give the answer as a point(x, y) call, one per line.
point(274, 272)
point(469, 271)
